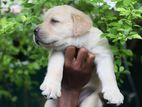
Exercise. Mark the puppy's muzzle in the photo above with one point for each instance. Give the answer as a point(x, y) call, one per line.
point(38, 39)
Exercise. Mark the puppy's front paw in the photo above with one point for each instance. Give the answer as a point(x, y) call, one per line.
point(113, 95)
point(51, 89)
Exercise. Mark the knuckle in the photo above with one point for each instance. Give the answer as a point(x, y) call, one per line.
point(67, 64)
point(70, 48)
point(83, 50)
point(91, 56)
point(91, 59)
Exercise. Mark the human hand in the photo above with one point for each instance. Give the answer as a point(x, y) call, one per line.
point(78, 67)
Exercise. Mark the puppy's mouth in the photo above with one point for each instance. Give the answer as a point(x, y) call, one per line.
point(51, 44)
point(47, 44)
point(40, 42)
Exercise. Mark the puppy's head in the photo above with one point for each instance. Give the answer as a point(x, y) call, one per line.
point(60, 23)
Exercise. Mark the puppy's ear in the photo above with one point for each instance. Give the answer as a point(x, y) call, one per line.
point(81, 23)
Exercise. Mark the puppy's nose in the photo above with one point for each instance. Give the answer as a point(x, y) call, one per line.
point(36, 30)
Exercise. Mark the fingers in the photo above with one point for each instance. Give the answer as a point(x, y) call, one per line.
point(82, 56)
point(69, 55)
point(84, 59)
point(90, 59)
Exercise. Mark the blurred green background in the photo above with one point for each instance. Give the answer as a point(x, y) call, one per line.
point(23, 64)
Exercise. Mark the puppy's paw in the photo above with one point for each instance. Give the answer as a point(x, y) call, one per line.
point(113, 95)
point(51, 89)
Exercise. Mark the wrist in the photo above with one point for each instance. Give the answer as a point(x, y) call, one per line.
point(71, 92)
point(69, 97)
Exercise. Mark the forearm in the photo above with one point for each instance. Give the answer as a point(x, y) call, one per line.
point(69, 98)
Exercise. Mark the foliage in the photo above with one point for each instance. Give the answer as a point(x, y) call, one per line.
point(20, 59)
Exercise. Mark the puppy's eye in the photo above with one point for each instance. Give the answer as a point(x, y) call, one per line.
point(54, 21)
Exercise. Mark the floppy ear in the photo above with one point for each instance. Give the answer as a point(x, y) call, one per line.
point(81, 23)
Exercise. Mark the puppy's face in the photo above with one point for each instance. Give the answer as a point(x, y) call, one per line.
point(61, 23)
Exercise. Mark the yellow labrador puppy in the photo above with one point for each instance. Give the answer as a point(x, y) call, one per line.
point(64, 26)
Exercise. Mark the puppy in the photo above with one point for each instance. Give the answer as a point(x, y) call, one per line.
point(64, 26)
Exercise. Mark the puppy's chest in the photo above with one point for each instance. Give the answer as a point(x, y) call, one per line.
point(87, 41)
point(82, 43)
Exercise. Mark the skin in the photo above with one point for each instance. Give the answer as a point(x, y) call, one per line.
point(78, 68)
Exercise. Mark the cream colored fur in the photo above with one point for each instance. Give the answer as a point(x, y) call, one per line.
point(64, 26)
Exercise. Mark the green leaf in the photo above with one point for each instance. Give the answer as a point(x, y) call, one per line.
point(28, 5)
point(121, 68)
point(136, 36)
